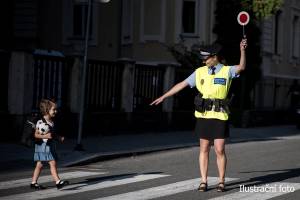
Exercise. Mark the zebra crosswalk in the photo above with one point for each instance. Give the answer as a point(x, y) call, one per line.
point(98, 181)
point(161, 191)
point(44, 179)
point(83, 187)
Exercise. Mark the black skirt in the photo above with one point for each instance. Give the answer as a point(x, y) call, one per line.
point(212, 128)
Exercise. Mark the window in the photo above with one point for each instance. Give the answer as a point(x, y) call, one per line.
point(74, 15)
point(277, 32)
point(153, 16)
point(127, 18)
point(189, 17)
point(295, 37)
point(80, 12)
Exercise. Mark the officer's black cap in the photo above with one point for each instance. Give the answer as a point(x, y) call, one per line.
point(205, 52)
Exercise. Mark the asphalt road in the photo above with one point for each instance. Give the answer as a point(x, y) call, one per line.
point(256, 170)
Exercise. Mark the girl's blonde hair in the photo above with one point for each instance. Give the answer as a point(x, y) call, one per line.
point(45, 106)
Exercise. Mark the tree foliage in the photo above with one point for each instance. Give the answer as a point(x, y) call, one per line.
point(262, 8)
point(187, 58)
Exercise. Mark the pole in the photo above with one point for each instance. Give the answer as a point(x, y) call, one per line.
point(79, 146)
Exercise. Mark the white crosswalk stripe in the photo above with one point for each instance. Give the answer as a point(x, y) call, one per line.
point(163, 190)
point(263, 192)
point(44, 179)
point(83, 187)
point(247, 192)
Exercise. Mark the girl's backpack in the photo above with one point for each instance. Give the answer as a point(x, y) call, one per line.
point(28, 138)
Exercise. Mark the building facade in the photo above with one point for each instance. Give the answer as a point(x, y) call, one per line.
point(137, 34)
point(281, 56)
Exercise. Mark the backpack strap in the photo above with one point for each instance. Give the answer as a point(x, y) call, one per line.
point(44, 120)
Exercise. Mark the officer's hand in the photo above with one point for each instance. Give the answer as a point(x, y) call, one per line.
point(61, 138)
point(243, 44)
point(157, 101)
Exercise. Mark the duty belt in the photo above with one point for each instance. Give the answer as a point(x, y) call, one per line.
point(217, 105)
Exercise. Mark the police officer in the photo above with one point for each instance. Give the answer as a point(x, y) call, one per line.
point(213, 82)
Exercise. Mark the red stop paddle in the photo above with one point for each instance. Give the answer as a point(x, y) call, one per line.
point(243, 19)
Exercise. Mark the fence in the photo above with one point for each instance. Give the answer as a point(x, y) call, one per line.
point(272, 93)
point(119, 93)
point(51, 78)
point(148, 85)
point(104, 84)
point(184, 101)
point(104, 81)
point(4, 65)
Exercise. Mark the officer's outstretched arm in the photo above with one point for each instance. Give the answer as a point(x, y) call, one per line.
point(176, 88)
point(242, 65)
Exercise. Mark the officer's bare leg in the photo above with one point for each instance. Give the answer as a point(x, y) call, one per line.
point(204, 158)
point(219, 145)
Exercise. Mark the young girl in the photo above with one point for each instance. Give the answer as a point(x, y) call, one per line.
point(45, 144)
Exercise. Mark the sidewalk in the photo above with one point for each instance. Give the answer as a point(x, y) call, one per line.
point(108, 147)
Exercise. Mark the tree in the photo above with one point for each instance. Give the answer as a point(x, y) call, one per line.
point(262, 9)
point(187, 58)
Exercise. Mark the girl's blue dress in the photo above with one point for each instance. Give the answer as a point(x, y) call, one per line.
point(46, 149)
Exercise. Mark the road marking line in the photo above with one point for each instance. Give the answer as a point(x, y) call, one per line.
point(83, 187)
point(48, 178)
point(275, 189)
point(164, 190)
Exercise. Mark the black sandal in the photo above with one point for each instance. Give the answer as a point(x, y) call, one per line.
point(221, 187)
point(37, 186)
point(202, 187)
point(61, 184)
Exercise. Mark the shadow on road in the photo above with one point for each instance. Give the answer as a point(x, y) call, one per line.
point(278, 176)
point(96, 180)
